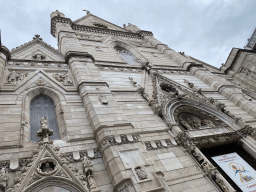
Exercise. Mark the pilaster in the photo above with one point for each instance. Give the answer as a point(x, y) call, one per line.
point(4, 56)
point(110, 125)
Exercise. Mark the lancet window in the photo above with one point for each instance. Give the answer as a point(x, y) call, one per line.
point(42, 106)
point(127, 56)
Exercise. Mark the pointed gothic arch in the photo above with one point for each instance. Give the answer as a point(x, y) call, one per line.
point(178, 106)
point(130, 50)
point(58, 182)
point(53, 95)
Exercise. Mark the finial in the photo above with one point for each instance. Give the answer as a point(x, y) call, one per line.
point(45, 132)
point(88, 12)
point(37, 37)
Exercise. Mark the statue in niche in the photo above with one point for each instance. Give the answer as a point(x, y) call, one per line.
point(141, 173)
point(207, 122)
point(47, 167)
point(185, 124)
point(45, 131)
point(193, 123)
point(43, 122)
point(3, 173)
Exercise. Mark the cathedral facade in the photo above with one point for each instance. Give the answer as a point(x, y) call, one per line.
point(116, 110)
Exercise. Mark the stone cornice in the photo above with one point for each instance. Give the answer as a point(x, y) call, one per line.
point(71, 54)
point(85, 28)
point(5, 51)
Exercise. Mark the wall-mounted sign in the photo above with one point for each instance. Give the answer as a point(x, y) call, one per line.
point(238, 170)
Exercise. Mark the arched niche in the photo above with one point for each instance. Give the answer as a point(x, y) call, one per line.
point(56, 97)
point(42, 106)
point(54, 182)
point(197, 113)
point(130, 49)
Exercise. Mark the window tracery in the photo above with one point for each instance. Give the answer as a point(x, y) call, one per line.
point(127, 56)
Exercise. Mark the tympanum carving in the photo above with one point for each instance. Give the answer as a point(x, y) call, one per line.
point(191, 118)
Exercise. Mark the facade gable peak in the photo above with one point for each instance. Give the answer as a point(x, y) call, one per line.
point(94, 21)
point(43, 51)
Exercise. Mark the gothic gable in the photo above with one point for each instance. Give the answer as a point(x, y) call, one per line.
point(36, 50)
point(24, 80)
point(94, 21)
point(49, 164)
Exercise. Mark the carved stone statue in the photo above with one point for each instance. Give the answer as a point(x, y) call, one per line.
point(45, 132)
point(15, 77)
point(63, 77)
point(91, 182)
point(185, 124)
point(86, 162)
point(141, 173)
point(207, 122)
point(3, 174)
point(12, 77)
point(193, 123)
point(47, 168)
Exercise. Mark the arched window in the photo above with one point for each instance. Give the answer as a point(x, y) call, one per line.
point(42, 106)
point(127, 56)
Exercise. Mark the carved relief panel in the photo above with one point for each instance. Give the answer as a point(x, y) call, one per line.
point(192, 118)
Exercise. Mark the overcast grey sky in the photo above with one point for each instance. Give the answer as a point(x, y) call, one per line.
point(204, 29)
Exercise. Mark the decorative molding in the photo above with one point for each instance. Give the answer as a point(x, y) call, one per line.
point(123, 69)
point(184, 176)
point(166, 90)
point(99, 30)
point(170, 71)
point(64, 78)
point(28, 63)
point(118, 140)
point(90, 37)
point(40, 82)
point(159, 144)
